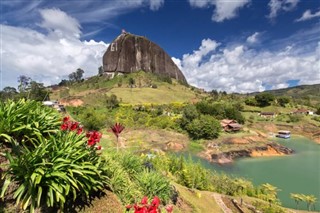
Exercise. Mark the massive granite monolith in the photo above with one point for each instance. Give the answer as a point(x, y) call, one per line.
point(130, 53)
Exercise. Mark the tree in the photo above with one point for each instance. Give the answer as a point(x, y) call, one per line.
point(205, 127)
point(283, 100)
point(297, 198)
point(264, 99)
point(310, 199)
point(24, 82)
point(37, 92)
point(270, 192)
point(100, 71)
point(76, 76)
point(8, 93)
point(112, 101)
point(131, 82)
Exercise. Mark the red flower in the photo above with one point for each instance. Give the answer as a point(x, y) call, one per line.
point(65, 119)
point(169, 208)
point(74, 126)
point(155, 202)
point(144, 200)
point(117, 128)
point(98, 147)
point(64, 127)
point(140, 209)
point(79, 131)
point(94, 137)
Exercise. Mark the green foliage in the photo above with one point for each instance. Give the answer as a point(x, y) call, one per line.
point(120, 181)
point(8, 93)
point(251, 101)
point(76, 76)
point(264, 207)
point(131, 82)
point(295, 118)
point(26, 120)
point(92, 119)
point(152, 184)
point(283, 100)
point(205, 127)
point(226, 185)
point(264, 99)
point(59, 169)
point(185, 172)
point(112, 101)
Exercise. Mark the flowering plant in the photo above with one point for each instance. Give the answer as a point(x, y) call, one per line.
point(144, 207)
point(68, 125)
point(117, 128)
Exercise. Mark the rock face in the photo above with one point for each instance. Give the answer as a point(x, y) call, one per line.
point(129, 53)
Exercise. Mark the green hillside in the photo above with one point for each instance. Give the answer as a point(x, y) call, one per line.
point(303, 91)
point(135, 88)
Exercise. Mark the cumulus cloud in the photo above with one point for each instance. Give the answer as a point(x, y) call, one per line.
point(156, 4)
point(48, 57)
point(277, 6)
point(307, 15)
point(57, 21)
point(243, 69)
point(224, 10)
point(254, 38)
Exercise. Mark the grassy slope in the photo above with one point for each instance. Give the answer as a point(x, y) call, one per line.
point(92, 90)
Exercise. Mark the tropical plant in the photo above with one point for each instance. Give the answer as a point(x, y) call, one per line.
point(310, 200)
point(61, 168)
point(297, 198)
point(117, 128)
point(151, 184)
point(26, 120)
point(270, 193)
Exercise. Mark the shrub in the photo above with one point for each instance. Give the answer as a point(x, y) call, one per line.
point(153, 184)
point(26, 120)
point(205, 127)
point(60, 168)
point(92, 119)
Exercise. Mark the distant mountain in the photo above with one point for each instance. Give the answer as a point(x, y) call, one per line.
point(311, 91)
point(130, 53)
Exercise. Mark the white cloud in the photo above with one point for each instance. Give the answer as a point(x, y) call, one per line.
point(57, 21)
point(243, 69)
point(307, 15)
point(277, 6)
point(48, 57)
point(156, 4)
point(254, 38)
point(224, 10)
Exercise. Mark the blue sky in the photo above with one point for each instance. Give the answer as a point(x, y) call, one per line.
point(230, 45)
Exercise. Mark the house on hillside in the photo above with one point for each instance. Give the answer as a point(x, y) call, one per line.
point(303, 112)
point(268, 114)
point(230, 125)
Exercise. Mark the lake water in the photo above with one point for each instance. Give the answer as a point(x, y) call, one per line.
point(297, 173)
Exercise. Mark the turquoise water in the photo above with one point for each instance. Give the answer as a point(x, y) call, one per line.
point(297, 173)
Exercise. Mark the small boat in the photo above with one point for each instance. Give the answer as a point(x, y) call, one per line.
point(284, 134)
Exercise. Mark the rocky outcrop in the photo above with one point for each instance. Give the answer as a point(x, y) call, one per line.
point(270, 149)
point(129, 53)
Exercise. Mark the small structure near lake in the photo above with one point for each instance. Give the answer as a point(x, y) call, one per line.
point(230, 125)
point(284, 134)
point(268, 114)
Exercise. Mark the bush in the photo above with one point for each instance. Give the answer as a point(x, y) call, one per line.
point(153, 184)
point(60, 169)
point(27, 120)
point(92, 119)
point(205, 127)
